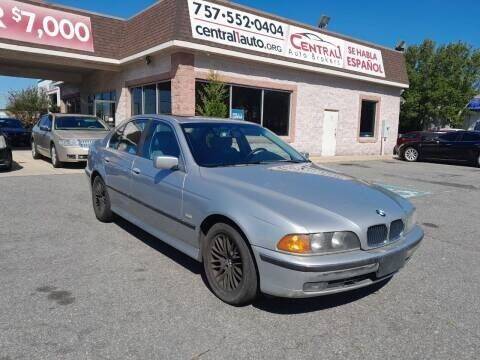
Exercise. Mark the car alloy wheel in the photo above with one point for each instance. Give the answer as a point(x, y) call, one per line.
point(229, 265)
point(101, 201)
point(99, 194)
point(34, 150)
point(226, 263)
point(411, 154)
point(53, 153)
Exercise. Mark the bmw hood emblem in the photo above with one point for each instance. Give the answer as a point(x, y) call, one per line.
point(381, 213)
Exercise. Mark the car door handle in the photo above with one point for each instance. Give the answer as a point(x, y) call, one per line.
point(136, 171)
point(107, 160)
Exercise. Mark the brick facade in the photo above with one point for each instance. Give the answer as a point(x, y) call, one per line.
point(183, 84)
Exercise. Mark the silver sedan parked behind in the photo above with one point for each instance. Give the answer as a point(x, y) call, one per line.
point(66, 137)
point(258, 214)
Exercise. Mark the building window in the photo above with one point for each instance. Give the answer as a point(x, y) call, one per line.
point(137, 108)
point(276, 111)
point(103, 105)
point(165, 98)
point(269, 108)
point(368, 117)
point(152, 99)
point(248, 101)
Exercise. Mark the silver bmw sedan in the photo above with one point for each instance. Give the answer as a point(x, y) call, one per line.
point(258, 214)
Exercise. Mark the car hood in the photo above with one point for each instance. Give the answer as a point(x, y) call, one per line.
point(79, 134)
point(314, 197)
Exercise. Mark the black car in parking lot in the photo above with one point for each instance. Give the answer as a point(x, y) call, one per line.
point(6, 160)
point(16, 133)
point(462, 146)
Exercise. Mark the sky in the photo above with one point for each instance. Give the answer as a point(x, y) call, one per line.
point(377, 21)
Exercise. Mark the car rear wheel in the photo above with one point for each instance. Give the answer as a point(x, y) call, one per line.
point(35, 153)
point(54, 155)
point(411, 154)
point(477, 162)
point(229, 265)
point(101, 201)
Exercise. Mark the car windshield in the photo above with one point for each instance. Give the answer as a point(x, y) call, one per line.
point(10, 123)
point(230, 144)
point(79, 123)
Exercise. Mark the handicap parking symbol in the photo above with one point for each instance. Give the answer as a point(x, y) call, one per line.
point(404, 192)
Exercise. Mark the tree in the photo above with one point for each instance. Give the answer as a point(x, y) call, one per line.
point(27, 104)
point(442, 81)
point(212, 98)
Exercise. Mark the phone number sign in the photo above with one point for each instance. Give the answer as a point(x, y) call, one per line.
point(228, 26)
point(39, 25)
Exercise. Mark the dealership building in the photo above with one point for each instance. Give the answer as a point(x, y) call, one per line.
point(325, 93)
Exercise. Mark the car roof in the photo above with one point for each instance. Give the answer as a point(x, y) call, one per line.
point(195, 119)
point(77, 115)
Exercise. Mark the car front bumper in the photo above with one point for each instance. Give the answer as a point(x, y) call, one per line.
point(294, 276)
point(71, 153)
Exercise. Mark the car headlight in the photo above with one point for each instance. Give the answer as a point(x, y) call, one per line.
point(319, 243)
point(3, 142)
point(69, 142)
point(410, 221)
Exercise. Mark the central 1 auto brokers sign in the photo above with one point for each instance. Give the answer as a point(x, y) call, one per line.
point(228, 26)
point(40, 25)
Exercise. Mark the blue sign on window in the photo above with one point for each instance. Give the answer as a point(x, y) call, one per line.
point(238, 114)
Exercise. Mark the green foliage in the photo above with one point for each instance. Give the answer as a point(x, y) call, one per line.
point(27, 104)
point(442, 81)
point(213, 96)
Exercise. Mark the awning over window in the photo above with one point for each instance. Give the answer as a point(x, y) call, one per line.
point(474, 104)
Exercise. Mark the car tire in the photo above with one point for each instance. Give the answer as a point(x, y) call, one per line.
point(477, 160)
point(229, 265)
point(411, 154)
point(54, 157)
point(35, 154)
point(101, 201)
point(9, 164)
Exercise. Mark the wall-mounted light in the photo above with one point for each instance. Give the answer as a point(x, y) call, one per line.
point(324, 21)
point(148, 60)
point(400, 46)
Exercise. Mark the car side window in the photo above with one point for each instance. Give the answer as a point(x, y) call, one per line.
point(161, 142)
point(115, 138)
point(449, 137)
point(48, 122)
point(131, 135)
point(43, 121)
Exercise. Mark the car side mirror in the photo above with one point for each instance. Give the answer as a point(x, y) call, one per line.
point(44, 128)
point(165, 162)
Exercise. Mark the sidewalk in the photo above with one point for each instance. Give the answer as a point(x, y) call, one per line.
point(352, 158)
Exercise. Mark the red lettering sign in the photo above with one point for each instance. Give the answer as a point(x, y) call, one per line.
point(40, 25)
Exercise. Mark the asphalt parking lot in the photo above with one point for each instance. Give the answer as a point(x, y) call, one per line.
point(74, 288)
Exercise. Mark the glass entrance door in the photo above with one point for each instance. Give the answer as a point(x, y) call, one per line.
point(105, 110)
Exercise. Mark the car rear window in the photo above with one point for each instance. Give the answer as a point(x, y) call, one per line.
point(79, 123)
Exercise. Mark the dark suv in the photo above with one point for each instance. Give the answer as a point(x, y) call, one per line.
point(462, 146)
